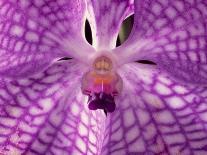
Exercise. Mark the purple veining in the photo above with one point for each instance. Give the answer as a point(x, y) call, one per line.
point(167, 31)
point(44, 108)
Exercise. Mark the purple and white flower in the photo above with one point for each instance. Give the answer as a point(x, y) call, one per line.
point(160, 109)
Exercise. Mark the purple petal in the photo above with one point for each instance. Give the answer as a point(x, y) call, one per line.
point(173, 34)
point(48, 114)
point(33, 33)
point(105, 18)
point(156, 115)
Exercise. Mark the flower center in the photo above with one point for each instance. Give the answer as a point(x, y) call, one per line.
point(102, 65)
point(101, 83)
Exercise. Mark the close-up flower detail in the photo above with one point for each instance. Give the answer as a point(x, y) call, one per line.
point(60, 95)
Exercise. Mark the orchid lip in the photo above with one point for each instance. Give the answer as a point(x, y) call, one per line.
point(101, 101)
point(102, 83)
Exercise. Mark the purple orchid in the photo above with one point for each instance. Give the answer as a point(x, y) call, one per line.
point(160, 109)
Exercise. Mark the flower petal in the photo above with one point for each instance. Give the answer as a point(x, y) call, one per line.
point(173, 34)
point(33, 33)
point(105, 18)
point(47, 114)
point(156, 115)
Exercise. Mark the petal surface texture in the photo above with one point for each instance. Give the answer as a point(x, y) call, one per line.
point(173, 34)
point(105, 18)
point(48, 114)
point(34, 32)
point(156, 115)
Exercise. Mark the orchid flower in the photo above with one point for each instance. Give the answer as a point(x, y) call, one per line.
point(102, 101)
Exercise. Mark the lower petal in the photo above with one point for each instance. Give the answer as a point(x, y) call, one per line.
point(47, 114)
point(156, 115)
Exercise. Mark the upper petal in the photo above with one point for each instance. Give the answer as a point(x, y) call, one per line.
point(156, 115)
point(105, 18)
point(35, 32)
point(48, 114)
point(173, 34)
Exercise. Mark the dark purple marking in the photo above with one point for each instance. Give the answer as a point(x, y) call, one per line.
point(101, 101)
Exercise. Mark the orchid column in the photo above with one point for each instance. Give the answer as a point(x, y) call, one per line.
point(161, 109)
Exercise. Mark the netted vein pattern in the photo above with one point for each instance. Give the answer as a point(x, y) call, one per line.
point(33, 33)
point(40, 115)
point(159, 116)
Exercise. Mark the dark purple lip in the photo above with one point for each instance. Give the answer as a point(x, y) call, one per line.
point(101, 101)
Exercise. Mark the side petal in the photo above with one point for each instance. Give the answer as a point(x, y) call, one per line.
point(173, 35)
point(33, 33)
point(105, 18)
point(156, 115)
point(47, 114)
